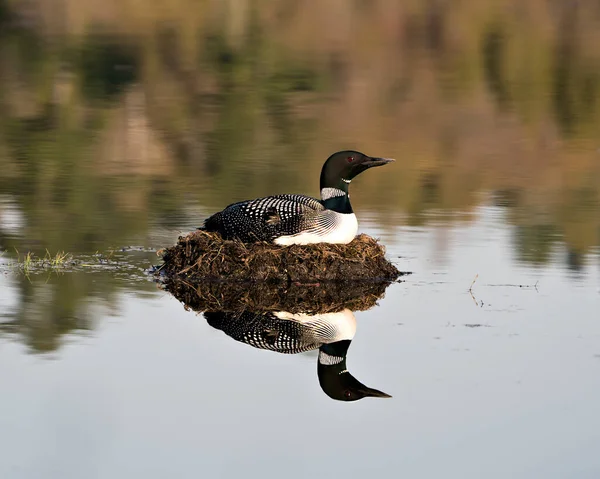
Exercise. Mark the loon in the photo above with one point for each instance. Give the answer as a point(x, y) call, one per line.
point(284, 332)
point(298, 219)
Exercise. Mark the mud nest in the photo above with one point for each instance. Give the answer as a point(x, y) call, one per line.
point(293, 298)
point(204, 256)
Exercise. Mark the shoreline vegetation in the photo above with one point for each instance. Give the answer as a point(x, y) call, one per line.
point(140, 112)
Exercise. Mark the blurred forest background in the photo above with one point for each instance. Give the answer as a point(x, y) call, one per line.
point(117, 111)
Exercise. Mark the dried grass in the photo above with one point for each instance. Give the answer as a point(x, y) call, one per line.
point(203, 256)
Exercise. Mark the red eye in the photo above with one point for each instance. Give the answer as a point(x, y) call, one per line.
point(349, 159)
point(347, 393)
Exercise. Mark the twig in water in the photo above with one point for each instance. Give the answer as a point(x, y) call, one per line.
point(473, 298)
point(479, 304)
point(522, 286)
point(474, 279)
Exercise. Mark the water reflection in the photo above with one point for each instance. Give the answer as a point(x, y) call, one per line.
point(284, 332)
point(47, 311)
point(51, 304)
point(328, 327)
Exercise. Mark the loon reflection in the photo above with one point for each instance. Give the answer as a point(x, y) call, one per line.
point(288, 333)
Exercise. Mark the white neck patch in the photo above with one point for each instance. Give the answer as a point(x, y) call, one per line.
point(346, 181)
point(329, 360)
point(327, 193)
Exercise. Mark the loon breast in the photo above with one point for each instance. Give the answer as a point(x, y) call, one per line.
point(329, 227)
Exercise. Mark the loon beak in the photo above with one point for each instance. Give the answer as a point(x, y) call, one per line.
point(378, 162)
point(374, 393)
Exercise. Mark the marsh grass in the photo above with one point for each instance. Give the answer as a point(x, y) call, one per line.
point(29, 263)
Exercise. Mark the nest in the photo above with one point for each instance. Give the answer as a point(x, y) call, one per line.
point(204, 256)
point(293, 298)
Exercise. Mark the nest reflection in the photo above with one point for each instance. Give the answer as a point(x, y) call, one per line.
point(294, 298)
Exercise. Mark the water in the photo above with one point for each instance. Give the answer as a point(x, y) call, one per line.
point(115, 140)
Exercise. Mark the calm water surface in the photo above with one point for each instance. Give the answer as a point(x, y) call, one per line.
point(122, 127)
point(502, 381)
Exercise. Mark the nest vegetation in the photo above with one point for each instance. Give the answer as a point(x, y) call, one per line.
point(202, 256)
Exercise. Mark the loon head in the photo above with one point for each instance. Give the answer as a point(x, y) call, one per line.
point(334, 378)
point(341, 167)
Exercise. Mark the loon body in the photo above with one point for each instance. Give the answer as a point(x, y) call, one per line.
point(300, 219)
point(284, 332)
